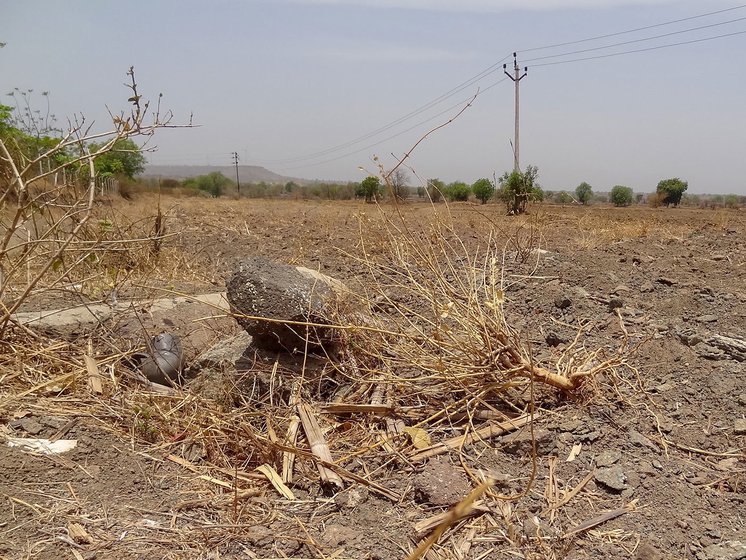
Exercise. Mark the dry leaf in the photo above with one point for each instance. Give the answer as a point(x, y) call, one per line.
point(420, 438)
point(574, 452)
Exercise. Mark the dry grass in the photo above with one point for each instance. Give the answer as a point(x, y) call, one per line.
point(429, 356)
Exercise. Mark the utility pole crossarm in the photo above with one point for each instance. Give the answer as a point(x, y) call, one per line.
point(516, 77)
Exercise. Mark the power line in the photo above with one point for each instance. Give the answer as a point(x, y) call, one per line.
point(447, 95)
point(702, 40)
point(638, 40)
point(411, 128)
point(662, 24)
point(495, 67)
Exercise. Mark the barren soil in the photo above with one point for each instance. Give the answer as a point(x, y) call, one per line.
point(663, 444)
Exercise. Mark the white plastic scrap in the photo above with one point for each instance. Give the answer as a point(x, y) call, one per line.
point(43, 446)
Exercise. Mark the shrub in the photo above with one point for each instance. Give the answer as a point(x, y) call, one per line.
point(621, 196)
point(671, 190)
point(483, 189)
point(584, 192)
point(458, 191)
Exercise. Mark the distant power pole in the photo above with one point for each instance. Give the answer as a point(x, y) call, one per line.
point(235, 162)
point(516, 77)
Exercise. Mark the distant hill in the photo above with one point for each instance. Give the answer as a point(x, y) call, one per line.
point(246, 173)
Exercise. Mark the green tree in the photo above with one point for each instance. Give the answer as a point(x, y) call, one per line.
point(213, 183)
point(671, 190)
point(457, 191)
point(518, 189)
point(584, 192)
point(369, 188)
point(621, 195)
point(125, 158)
point(483, 189)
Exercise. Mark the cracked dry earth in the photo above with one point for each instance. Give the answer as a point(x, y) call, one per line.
point(663, 446)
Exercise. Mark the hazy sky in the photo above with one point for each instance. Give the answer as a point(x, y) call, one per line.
point(287, 82)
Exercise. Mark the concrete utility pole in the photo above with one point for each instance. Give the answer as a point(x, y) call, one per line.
point(516, 77)
point(235, 162)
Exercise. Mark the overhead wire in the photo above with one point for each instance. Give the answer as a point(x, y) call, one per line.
point(635, 30)
point(652, 38)
point(646, 49)
point(496, 66)
point(447, 95)
point(401, 133)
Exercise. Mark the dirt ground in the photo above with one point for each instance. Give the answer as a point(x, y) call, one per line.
point(660, 446)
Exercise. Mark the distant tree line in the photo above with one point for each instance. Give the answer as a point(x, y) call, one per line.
point(516, 190)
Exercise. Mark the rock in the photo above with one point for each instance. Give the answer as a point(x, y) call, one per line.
point(260, 287)
point(29, 425)
point(352, 497)
point(225, 353)
point(335, 535)
point(647, 551)
point(562, 302)
point(707, 319)
point(441, 484)
point(553, 339)
point(638, 439)
point(728, 550)
point(520, 443)
point(666, 281)
point(612, 477)
point(607, 458)
point(740, 427)
point(647, 287)
point(615, 303)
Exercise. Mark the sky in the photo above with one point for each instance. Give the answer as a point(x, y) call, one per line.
point(318, 89)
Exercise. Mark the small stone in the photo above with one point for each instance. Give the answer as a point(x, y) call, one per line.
point(615, 303)
point(591, 436)
point(553, 339)
point(607, 458)
point(657, 464)
point(728, 550)
point(29, 425)
point(647, 287)
point(707, 319)
point(520, 442)
point(612, 477)
point(441, 484)
point(638, 439)
point(740, 427)
point(666, 281)
point(647, 551)
point(562, 302)
point(742, 399)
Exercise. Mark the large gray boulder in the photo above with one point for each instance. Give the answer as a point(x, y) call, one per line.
point(281, 295)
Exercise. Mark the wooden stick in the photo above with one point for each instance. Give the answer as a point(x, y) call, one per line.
point(318, 445)
point(288, 457)
point(490, 431)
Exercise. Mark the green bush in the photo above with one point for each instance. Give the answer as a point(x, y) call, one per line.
point(584, 192)
point(457, 191)
point(483, 189)
point(621, 196)
point(671, 190)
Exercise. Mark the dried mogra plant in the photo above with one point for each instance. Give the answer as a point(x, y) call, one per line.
point(435, 322)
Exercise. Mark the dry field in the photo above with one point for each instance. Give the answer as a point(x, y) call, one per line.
point(566, 384)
